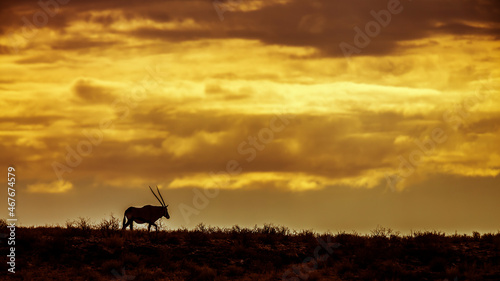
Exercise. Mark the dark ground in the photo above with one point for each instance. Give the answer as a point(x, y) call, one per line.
point(81, 251)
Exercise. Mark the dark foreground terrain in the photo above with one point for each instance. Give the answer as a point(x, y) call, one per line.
point(81, 251)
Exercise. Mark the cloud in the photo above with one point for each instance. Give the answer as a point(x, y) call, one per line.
point(93, 91)
point(53, 187)
point(320, 24)
point(41, 59)
point(218, 91)
point(325, 24)
point(81, 43)
point(37, 119)
point(224, 81)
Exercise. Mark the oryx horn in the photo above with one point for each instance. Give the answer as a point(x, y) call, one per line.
point(161, 196)
point(157, 196)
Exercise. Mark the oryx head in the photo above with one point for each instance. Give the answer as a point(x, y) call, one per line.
point(162, 202)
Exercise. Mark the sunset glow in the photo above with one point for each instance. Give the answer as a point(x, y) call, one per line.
point(258, 106)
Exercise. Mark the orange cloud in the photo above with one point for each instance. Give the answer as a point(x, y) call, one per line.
point(53, 187)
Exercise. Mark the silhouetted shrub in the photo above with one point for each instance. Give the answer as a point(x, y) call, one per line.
point(109, 266)
point(109, 226)
point(131, 260)
point(381, 231)
point(235, 271)
point(113, 244)
point(476, 235)
point(82, 251)
point(197, 237)
point(79, 227)
point(202, 273)
point(3, 225)
point(438, 264)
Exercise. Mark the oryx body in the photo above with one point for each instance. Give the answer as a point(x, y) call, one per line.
point(146, 214)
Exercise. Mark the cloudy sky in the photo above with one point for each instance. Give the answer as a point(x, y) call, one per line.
point(324, 115)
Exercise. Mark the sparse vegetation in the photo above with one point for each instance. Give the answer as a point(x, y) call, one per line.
point(82, 251)
point(109, 226)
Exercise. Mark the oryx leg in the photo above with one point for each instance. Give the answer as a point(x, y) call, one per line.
point(129, 222)
point(124, 222)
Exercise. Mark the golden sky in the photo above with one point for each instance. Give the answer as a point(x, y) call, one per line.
point(325, 115)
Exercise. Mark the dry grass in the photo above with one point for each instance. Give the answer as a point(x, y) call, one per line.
point(81, 251)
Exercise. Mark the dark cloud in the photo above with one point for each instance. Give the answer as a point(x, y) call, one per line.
point(325, 24)
point(330, 147)
point(31, 120)
point(91, 91)
point(217, 91)
point(42, 59)
point(482, 126)
point(80, 43)
point(319, 24)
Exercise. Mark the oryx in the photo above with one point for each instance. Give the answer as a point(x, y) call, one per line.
point(147, 214)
